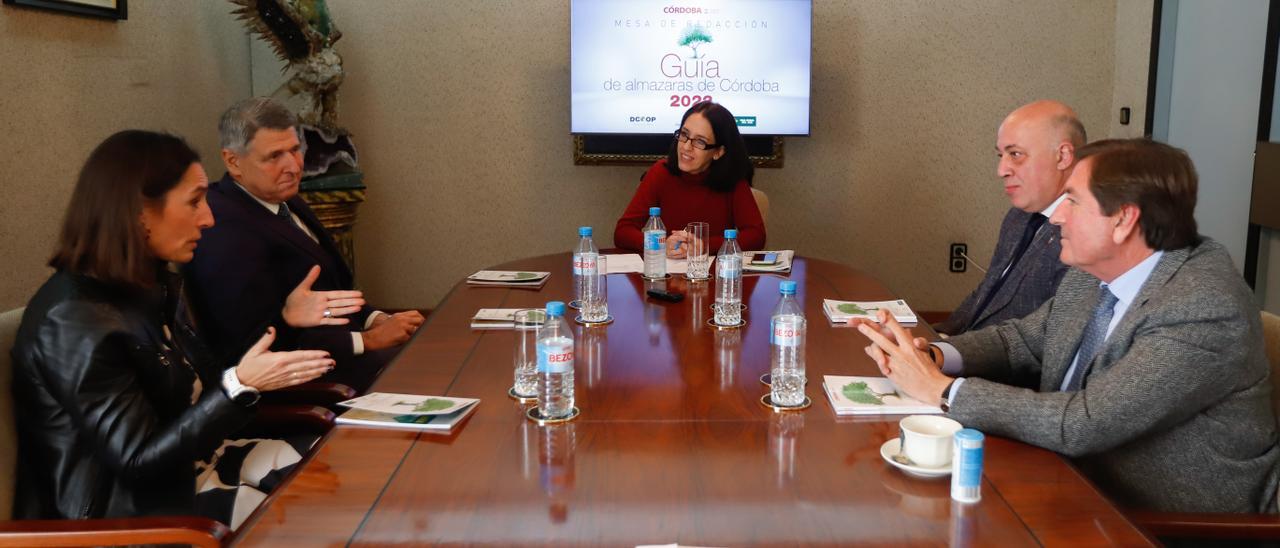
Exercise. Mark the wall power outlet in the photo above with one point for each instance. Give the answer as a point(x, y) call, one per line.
point(959, 259)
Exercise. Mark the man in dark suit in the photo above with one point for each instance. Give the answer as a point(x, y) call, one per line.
point(1036, 146)
point(1151, 370)
point(265, 241)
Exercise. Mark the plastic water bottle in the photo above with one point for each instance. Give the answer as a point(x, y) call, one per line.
point(786, 367)
point(555, 364)
point(655, 237)
point(728, 307)
point(584, 262)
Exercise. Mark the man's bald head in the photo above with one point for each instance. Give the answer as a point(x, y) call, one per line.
point(1036, 144)
point(1053, 118)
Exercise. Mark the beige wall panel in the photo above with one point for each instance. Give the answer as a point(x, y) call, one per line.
point(460, 110)
point(460, 113)
point(1132, 65)
point(71, 81)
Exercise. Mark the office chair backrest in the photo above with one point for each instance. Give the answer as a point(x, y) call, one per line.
point(1271, 338)
point(8, 428)
point(762, 202)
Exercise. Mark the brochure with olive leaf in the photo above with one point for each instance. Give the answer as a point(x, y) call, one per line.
point(842, 311)
point(407, 411)
point(509, 278)
point(871, 396)
point(495, 318)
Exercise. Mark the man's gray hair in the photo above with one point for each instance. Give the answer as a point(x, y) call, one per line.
point(1071, 129)
point(243, 120)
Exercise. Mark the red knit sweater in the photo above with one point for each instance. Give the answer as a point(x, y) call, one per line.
point(685, 199)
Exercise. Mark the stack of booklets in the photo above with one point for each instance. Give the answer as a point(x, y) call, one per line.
point(842, 311)
point(754, 261)
point(494, 318)
point(625, 263)
point(407, 411)
point(504, 278)
point(871, 396)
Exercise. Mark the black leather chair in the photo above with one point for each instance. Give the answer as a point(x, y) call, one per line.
point(273, 420)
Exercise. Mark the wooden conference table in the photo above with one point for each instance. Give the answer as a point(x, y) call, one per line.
point(672, 444)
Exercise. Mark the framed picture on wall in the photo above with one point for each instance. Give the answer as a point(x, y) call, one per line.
point(107, 9)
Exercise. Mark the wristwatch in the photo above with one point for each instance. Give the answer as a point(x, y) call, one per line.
point(239, 393)
point(946, 397)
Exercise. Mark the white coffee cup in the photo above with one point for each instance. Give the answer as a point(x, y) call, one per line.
point(927, 439)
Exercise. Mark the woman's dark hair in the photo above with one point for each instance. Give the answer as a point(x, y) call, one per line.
point(102, 234)
point(733, 165)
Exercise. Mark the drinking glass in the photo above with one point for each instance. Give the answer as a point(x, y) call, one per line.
point(698, 254)
point(595, 292)
point(526, 326)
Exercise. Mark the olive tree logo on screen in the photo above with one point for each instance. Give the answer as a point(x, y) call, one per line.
point(673, 66)
point(694, 37)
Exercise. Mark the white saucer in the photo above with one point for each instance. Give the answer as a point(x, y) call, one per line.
point(890, 449)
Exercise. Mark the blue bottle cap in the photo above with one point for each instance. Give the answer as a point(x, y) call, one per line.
point(730, 233)
point(555, 309)
point(655, 211)
point(969, 434)
point(584, 231)
point(787, 287)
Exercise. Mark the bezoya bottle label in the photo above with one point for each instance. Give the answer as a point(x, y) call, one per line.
point(555, 359)
point(785, 333)
point(584, 264)
point(727, 269)
point(653, 240)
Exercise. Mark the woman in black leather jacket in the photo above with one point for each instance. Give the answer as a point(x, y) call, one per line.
point(116, 399)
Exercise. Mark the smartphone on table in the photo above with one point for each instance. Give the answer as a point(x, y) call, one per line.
point(765, 259)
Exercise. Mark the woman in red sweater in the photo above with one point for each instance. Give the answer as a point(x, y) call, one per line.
point(706, 177)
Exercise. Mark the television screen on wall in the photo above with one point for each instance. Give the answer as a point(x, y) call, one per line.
point(637, 65)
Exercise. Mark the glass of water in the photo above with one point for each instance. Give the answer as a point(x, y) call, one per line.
point(526, 326)
point(595, 292)
point(699, 254)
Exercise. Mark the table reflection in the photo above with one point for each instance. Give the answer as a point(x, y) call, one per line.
point(591, 343)
point(927, 498)
point(784, 431)
point(728, 349)
point(529, 433)
point(653, 312)
point(555, 454)
point(963, 518)
point(697, 293)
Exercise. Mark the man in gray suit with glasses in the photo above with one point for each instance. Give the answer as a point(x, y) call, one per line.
point(1150, 363)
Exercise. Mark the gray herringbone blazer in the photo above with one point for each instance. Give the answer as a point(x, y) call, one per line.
point(1175, 413)
point(1030, 283)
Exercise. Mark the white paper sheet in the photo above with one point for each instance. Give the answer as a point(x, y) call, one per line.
point(633, 263)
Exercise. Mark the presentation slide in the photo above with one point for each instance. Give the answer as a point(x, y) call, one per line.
point(636, 66)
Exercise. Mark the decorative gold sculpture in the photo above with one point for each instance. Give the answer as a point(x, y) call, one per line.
point(302, 33)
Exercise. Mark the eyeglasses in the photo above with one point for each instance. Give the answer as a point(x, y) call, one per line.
point(698, 142)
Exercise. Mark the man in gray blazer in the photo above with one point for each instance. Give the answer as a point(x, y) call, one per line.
point(1151, 368)
point(1036, 145)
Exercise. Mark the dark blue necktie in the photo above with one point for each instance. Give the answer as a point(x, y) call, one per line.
point(1094, 335)
point(284, 213)
point(1028, 234)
